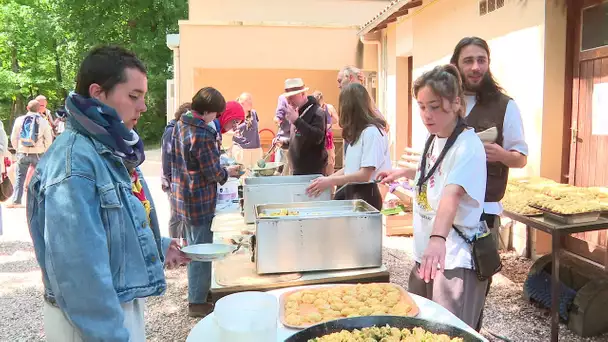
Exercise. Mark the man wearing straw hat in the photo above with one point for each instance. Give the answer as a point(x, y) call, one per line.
point(308, 125)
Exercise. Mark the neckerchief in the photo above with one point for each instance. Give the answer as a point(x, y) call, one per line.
point(101, 122)
point(138, 191)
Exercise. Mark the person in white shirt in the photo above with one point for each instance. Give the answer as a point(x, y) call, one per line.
point(368, 151)
point(450, 189)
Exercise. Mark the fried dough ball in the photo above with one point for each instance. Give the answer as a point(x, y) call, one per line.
point(365, 311)
point(372, 301)
point(308, 298)
point(331, 315)
point(295, 296)
point(390, 302)
point(347, 311)
point(338, 306)
point(324, 307)
point(292, 304)
point(400, 309)
point(314, 317)
point(334, 300)
point(293, 319)
point(319, 301)
point(347, 299)
point(355, 304)
point(379, 309)
point(322, 294)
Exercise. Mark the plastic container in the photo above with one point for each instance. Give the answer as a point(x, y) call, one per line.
point(247, 317)
point(228, 194)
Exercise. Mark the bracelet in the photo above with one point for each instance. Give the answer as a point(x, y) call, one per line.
point(438, 236)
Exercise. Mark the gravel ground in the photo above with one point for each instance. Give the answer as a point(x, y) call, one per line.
point(507, 313)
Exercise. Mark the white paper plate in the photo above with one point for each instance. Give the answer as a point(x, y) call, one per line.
point(208, 251)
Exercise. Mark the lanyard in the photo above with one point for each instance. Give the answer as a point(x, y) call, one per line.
point(460, 126)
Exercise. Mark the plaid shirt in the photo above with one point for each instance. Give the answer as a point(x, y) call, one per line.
point(195, 170)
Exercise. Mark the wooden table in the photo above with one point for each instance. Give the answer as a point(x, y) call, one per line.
point(556, 230)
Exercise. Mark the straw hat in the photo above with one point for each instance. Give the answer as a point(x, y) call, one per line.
point(294, 86)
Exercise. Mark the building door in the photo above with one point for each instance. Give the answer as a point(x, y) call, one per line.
point(589, 126)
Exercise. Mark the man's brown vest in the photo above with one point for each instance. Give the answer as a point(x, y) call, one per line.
point(482, 117)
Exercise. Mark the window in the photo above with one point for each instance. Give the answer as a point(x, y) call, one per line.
point(489, 6)
point(483, 7)
point(595, 27)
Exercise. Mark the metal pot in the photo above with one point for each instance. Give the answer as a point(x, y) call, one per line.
point(379, 321)
point(269, 169)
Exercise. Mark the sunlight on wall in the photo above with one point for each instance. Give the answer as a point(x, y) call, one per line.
point(518, 65)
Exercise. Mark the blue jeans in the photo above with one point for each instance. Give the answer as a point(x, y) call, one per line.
point(23, 163)
point(175, 224)
point(199, 273)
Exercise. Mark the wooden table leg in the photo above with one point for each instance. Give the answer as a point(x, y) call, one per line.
point(556, 245)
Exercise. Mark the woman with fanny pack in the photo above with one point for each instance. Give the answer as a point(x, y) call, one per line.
point(450, 189)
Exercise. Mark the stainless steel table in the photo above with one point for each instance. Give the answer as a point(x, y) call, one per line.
point(556, 230)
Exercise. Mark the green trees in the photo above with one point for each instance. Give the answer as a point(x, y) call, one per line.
point(43, 41)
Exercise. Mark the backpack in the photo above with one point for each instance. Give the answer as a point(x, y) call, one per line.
point(29, 130)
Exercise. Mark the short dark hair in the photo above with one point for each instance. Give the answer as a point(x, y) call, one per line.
point(185, 107)
point(489, 86)
point(105, 65)
point(208, 100)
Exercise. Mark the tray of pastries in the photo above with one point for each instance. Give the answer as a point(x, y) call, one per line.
point(303, 308)
point(568, 210)
point(516, 201)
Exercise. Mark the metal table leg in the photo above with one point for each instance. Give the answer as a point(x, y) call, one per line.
point(556, 245)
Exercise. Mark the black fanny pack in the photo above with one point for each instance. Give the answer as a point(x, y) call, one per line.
point(486, 259)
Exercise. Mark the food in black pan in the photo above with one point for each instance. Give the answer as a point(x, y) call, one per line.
point(386, 334)
point(384, 329)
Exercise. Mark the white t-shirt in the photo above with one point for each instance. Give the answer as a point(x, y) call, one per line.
point(464, 165)
point(513, 139)
point(370, 150)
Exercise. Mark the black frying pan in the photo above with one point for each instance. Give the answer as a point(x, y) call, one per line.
point(370, 321)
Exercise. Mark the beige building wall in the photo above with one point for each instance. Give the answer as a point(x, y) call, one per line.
point(253, 45)
point(339, 12)
point(273, 48)
point(553, 93)
point(261, 65)
point(517, 55)
point(527, 42)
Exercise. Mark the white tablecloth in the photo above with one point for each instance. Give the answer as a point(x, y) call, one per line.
point(207, 331)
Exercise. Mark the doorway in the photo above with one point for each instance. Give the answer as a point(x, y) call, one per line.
point(589, 123)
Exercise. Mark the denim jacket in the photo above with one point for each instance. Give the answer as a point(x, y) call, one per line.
point(91, 236)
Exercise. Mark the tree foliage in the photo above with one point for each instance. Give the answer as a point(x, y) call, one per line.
point(42, 43)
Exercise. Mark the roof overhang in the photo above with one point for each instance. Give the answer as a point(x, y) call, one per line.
point(390, 14)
